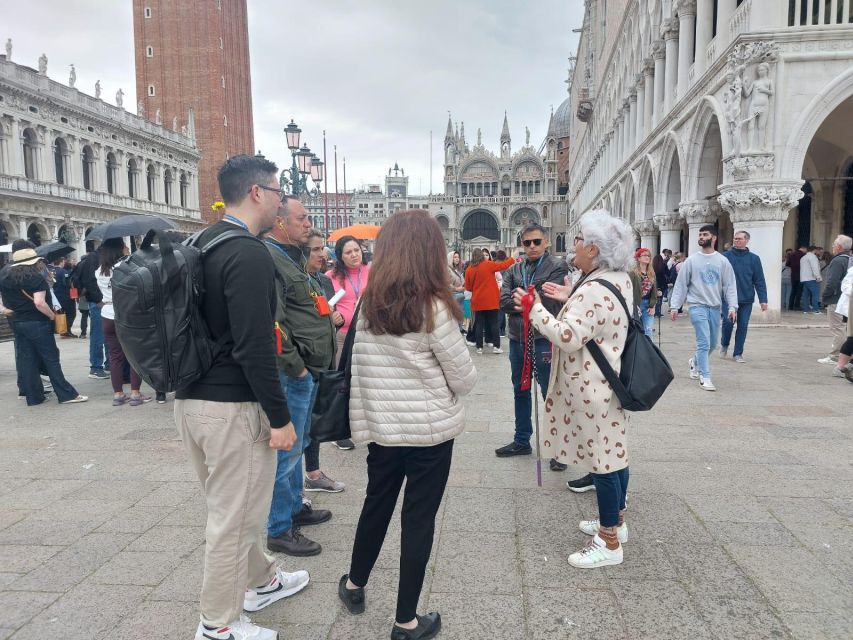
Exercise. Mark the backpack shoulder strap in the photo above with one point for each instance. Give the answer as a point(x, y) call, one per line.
point(595, 351)
point(616, 292)
point(210, 245)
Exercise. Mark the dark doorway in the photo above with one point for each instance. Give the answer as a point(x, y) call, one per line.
point(804, 216)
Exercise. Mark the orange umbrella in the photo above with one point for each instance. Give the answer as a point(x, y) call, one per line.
point(359, 231)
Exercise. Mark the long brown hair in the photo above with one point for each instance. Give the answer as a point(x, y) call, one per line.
point(409, 274)
point(476, 257)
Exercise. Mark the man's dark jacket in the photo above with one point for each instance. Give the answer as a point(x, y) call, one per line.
point(835, 272)
point(551, 269)
point(83, 277)
point(308, 339)
point(749, 275)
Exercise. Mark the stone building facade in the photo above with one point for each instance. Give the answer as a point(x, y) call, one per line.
point(734, 112)
point(70, 161)
point(193, 58)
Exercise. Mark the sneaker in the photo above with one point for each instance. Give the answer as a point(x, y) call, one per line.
point(556, 465)
point(489, 344)
point(98, 374)
point(817, 313)
point(581, 485)
point(480, 351)
point(497, 350)
point(353, 599)
point(513, 449)
point(345, 445)
point(241, 629)
point(590, 528)
point(694, 372)
point(161, 397)
point(828, 360)
point(323, 483)
point(739, 359)
point(706, 383)
point(119, 400)
point(596, 554)
point(83, 335)
point(282, 585)
point(724, 351)
point(309, 515)
point(470, 344)
point(76, 400)
point(839, 373)
point(135, 401)
point(293, 543)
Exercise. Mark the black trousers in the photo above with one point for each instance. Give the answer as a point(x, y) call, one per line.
point(796, 294)
point(487, 323)
point(70, 309)
point(425, 470)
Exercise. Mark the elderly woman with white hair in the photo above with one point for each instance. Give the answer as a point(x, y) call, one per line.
point(585, 425)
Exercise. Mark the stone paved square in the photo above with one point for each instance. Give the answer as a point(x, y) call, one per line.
point(740, 513)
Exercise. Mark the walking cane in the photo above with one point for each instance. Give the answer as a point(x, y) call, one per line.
point(529, 374)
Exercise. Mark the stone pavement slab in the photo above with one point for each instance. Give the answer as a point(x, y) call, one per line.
point(740, 517)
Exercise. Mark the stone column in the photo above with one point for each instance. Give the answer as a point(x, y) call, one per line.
point(761, 209)
point(670, 224)
point(696, 214)
point(16, 153)
point(686, 24)
point(658, 54)
point(704, 33)
point(74, 175)
point(725, 10)
point(648, 94)
point(669, 31)
point(626, 127)
point(632, 120)
point(640, 125)
point(648, 235)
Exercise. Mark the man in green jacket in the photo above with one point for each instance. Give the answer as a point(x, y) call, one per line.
point(306, 335)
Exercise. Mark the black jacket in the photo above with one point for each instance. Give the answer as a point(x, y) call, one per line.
point(83, 277)
point(551, 269)
point(835, 272)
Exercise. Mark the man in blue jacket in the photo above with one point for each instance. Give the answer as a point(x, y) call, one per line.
point(750, 280)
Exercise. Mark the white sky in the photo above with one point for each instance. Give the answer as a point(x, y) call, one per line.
point(376, 75)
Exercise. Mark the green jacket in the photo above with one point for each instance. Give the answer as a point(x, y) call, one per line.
point(308, 339)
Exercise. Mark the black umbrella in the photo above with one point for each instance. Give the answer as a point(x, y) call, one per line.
point(136, 225)
point(54, 250)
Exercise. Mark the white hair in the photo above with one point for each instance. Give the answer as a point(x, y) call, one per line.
point(613, 237)
point(845, 242)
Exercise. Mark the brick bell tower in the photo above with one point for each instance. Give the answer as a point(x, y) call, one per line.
point(193, 56)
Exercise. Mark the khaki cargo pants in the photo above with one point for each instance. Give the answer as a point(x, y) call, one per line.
point(228, 445)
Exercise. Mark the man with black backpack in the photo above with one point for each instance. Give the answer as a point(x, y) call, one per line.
point(83, 277)
point(234, 417)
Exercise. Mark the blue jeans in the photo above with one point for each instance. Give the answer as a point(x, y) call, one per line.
point(36, 346)
point(287, 493)
point(648, 320)
point(524, 399)
point(786, 294)
point(610, 491)
point(96, 338)
point(811, 296)
point(744, 311)
point(706, 324)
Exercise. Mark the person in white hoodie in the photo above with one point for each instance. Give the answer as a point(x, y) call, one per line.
point(410, 365)
point(810, 279)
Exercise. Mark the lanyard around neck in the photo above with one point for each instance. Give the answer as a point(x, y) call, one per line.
point(524, 279)
point(355, 287)
point(229, 218)
point(301, 268)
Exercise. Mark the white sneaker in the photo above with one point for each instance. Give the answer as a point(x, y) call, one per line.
point(241, 629)
point(739, 359)
point(724, 351)
point(470, 344)
point(827, 360)
point(838, 373)
point(596, 554)
point(706, 383)
point(497, 350)
point(590, 528)
point(480, 351)
point(694, 373)
point(283, 584)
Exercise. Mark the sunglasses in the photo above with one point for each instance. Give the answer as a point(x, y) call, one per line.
point(533, 241)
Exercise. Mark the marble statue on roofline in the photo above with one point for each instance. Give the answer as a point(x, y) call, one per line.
point(9, 50)
point(43, 65)
point(72, 77)
point(120, 99)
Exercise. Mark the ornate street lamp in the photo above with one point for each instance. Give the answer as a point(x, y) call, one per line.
point(303, 163)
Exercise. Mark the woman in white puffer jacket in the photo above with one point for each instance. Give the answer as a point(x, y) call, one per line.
point(410, 364)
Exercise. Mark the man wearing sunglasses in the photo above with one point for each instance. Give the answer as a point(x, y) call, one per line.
point(538, 267)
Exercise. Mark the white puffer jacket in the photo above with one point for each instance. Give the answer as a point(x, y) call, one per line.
point(405, 389)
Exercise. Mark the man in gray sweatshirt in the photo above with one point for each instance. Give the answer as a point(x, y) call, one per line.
point(705, 280)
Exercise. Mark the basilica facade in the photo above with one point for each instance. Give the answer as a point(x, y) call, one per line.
point(70, 161)
point(733, 112)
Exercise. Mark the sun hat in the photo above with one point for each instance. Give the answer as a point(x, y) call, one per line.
point(25, 256)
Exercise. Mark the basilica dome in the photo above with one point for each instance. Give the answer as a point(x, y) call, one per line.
point(563, 119)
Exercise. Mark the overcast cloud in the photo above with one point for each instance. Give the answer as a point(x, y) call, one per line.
point(376, 75)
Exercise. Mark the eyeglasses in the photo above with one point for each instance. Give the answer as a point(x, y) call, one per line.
point(578, 239)
point(282, 196)
point(645, 255)
point(533, 241)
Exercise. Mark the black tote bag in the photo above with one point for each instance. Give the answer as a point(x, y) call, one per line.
point(330, 415)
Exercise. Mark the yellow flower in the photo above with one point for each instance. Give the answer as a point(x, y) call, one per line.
point(216, 206)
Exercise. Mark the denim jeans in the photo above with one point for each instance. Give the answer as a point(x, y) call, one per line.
point(744, 311)
point(610, 491)
point(524, 399)
point(811, 296)
point(647, 320)
point(786, 294)
point(96, 337)
point(36, 345)
point(706, 324)
point(287, 494)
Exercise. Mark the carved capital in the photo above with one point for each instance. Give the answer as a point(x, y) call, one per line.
point(632, 95)
point(670, 221)
point(685, 8)
point(658, 50)
point(697, 213)
point(749, 167)
point(645, 227)
point(760, 202)
point(648, 67)
point(669, 29)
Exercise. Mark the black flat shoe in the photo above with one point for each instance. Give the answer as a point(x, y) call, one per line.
point(352, 598)
point(428, 627)
point(556, 465)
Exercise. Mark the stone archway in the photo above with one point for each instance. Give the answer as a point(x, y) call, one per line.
point(480, 223)
point(38, 234)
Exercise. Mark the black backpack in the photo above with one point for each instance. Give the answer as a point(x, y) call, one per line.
point(645, 372)
point(157, 294)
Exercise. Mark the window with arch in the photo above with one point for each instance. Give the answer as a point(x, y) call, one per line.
point(167, 186)
point(184, 189)
point(151, 91)
point(30, 144)
point(560, 243)
point(151, 177)
point(60, 159)
point(149, 52)
point(147, 12)
point(88, 167)
point(132, 171)
point(112, 172)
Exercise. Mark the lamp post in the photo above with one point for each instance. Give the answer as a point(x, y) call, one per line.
point(304, 164)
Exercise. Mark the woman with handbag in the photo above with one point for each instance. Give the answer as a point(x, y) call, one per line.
point(586, 425)
point(409, 367)
point(110, 253)
point(26, 294)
